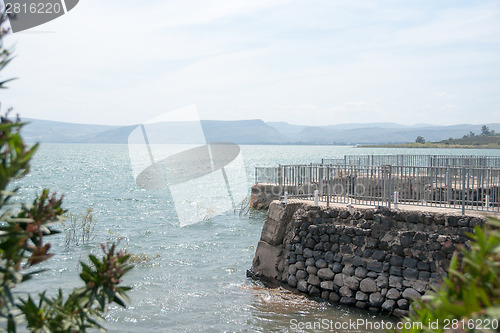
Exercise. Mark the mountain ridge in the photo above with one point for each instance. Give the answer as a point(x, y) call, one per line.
point(255, 131)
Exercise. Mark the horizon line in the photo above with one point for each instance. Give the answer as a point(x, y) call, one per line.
point(279, 121)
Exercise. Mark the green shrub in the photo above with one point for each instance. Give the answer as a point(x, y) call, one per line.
point(23, 231)
point(470, 296)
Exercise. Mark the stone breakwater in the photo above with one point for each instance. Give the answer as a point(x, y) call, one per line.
point(263, 194)
point(377, 259)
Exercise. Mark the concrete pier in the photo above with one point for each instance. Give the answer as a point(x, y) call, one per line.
point(378, 259)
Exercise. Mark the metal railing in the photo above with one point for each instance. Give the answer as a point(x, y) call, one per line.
point(465, 161)
point(267, 175)
point(415, 160)
point(466, 188)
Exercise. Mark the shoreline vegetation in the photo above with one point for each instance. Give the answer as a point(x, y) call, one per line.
point(467, 142)
point(432, 145)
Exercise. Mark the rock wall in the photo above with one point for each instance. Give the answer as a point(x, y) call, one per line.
point(376, 259)
point(263, 194)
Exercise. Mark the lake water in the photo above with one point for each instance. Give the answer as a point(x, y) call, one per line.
point(196, 280)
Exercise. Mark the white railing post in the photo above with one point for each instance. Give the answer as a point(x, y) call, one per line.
point(351, 208)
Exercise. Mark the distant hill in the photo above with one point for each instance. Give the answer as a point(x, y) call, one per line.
point(254, 131)
point(114, 135)
point(477, 141)
point(483, 141)
point(241, 131)
point(293, 130)
point(383, 135)
point(50, 131)
point(286, 128)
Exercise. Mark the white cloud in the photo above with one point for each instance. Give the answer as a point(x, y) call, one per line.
point(445, 95)
point(304, 62)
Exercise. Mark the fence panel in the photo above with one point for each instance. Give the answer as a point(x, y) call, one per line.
point(459, 187)
point(267, 175)
point(415, 160)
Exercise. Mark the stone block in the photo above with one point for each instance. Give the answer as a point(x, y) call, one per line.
point(327, 285)
point(411, 294)
point(325, 274)
point(368, 285)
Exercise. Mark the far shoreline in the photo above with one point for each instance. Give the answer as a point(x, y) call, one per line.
point(431, 145)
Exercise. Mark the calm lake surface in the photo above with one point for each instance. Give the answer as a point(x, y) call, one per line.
point(195, 281)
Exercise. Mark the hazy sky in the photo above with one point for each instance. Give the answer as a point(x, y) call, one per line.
point(305, 62)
